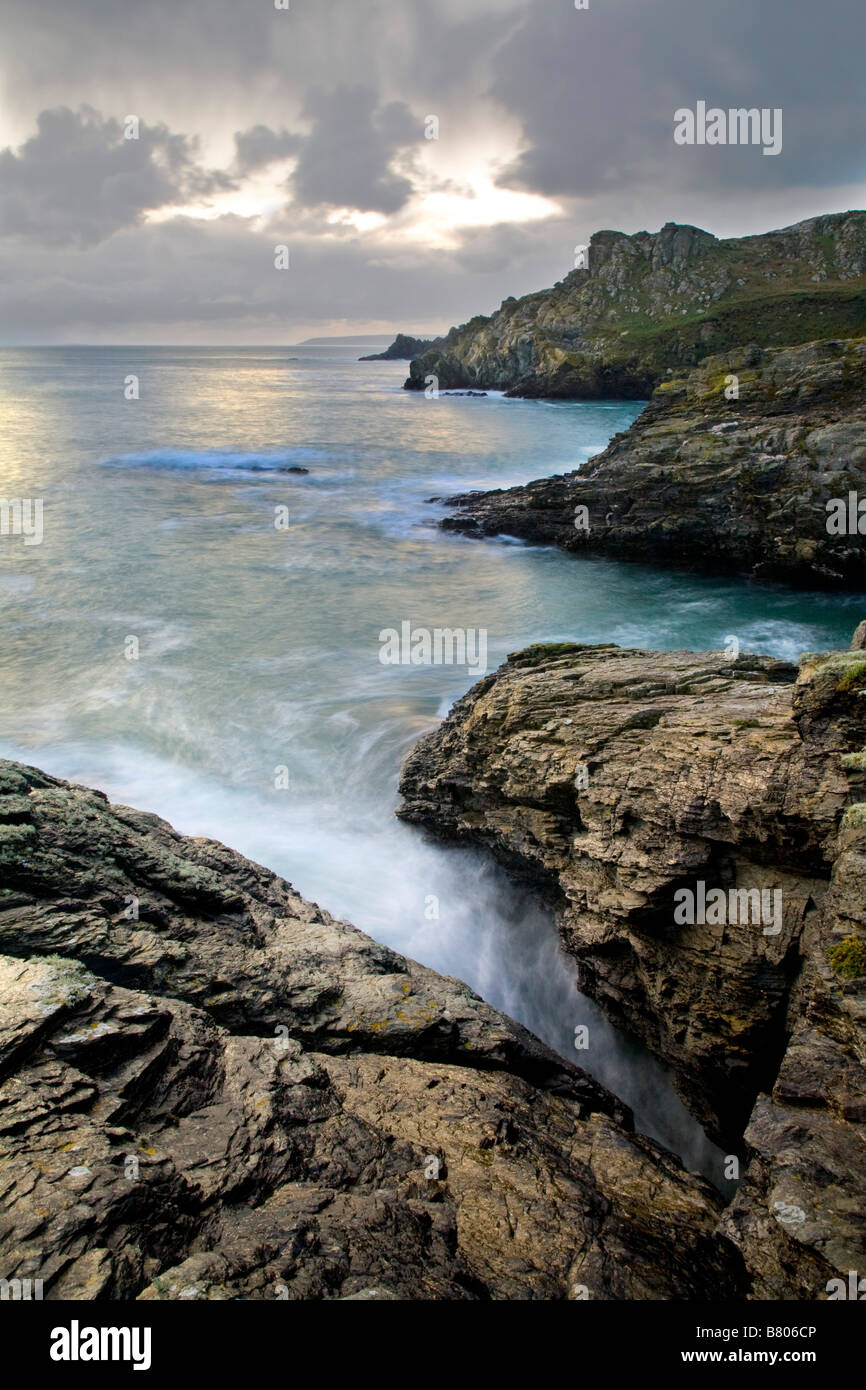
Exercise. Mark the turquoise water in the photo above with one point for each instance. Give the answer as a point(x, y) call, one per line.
point(258, 647)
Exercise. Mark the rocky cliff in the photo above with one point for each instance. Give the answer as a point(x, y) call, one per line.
point(747, 463)
point(649, 302)
point(635, 788)
point(402, 349)
point(210, 1089)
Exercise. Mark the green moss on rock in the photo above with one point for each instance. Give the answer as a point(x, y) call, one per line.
point(549, 651)
point(850, 668)
point(855, 816)
point(68, 984)
point(848, 957)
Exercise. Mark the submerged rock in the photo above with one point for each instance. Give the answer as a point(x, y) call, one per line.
point(767, 481)
point(211, 1089)
point(629, 786)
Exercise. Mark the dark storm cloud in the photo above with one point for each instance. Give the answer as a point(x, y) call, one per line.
point(346, 159)
point(189, 62)
point(259, 146)
point(78, 179)
point(595, 92)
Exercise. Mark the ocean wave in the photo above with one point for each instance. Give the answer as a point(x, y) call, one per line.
point(16, 585)
point(474, 392)
point(219, 460)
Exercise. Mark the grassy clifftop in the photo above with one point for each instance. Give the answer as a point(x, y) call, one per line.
point(650, 304)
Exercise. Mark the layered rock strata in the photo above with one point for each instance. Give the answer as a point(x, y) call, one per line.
point(753, 463)
point(211, 1089)
point(630, 786)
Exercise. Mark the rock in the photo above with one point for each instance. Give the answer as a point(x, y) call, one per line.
point(402, 349)
point(795, 1213)
point(649, 303)
point(614, 779)
point(858, 641)
point(686, 486)
point(346, 991)
point(210, 1089)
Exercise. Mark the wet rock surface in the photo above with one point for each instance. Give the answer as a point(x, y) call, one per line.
point(758, 484)
point(210, 1089)
point(614, 779)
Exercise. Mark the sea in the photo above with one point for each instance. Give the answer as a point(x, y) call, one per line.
point(197, 631)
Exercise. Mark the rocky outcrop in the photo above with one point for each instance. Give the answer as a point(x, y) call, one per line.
point(749, 463)
point(402, 349)
point(649, 302)
point(681, 811)
point(210, 1089)
point(807, 1134)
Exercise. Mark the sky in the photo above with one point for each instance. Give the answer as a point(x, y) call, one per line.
point(419, 160)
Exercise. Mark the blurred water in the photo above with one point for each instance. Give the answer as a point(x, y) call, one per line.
point(258, 647)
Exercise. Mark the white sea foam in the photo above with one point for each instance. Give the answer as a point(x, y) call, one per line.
point(259, 648)
point(279, 461)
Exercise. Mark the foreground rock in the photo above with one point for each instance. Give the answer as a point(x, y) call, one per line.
point(616, 779)
point(758, 485)
point(650, 302)
point(210, 1089)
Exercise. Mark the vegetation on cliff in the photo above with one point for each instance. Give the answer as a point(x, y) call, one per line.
point(651, 302)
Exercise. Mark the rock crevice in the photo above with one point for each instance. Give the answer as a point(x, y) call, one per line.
point(632, 786)
point(211, 1089)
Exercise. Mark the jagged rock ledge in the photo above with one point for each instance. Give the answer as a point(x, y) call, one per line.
point(612, 780)
point(758, 482)
point(403, 349)
point(211, 1089)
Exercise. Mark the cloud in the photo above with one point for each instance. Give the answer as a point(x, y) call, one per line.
point(78, 179)
point(535, 96)
point(215, 281)
point(259, 146)
point(346, 160)
point(505, 247)
point(595, 92)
